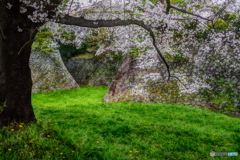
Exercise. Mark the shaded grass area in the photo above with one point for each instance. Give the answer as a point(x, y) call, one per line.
point(76, 125)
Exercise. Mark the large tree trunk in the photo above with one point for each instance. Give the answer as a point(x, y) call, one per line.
point(15, 76)
point(2, 76)
point(16, 91)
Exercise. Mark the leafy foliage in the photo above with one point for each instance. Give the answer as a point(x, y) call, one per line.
point(42, 40)
point(69, 50)
point(99, 36)
point(89, 46)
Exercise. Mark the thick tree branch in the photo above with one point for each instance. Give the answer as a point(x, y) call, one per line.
point(82, 22)
point(168, 6)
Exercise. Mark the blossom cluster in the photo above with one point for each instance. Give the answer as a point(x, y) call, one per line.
point(38, 12)
point(200, 37)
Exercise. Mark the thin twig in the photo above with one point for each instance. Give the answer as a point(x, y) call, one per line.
point(70, 7)
point(184, 11)
point(180, 81)
point(221, 10)
point(155, 46)
point(24, 46)
point(2, 33)
point(160, 54)
point(30, 39)
point(169, 6)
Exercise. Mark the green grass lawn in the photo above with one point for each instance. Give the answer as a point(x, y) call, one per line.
point(76, 125)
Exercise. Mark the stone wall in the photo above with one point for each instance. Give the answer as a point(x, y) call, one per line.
point(93, 72)
point(135, 80)
point(49, 73)
point(145, 79)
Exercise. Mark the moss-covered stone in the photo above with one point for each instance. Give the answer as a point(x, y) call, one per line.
point(93, 72)
point(49, 73)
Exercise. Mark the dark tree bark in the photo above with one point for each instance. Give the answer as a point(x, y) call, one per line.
point(15, 76)
point(2, 75)
point(16, 37)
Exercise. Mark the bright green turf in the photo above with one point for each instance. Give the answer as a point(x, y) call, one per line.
point(76, 125)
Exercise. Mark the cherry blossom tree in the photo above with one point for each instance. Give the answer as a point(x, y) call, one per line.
point(20, 20)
